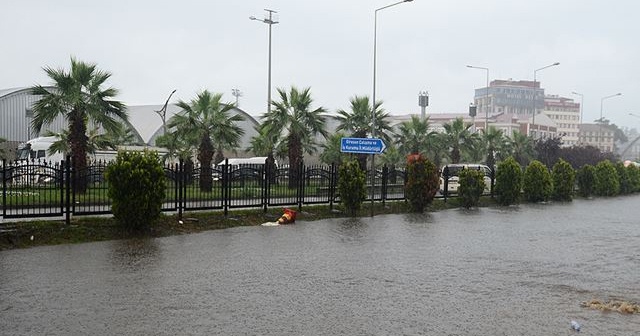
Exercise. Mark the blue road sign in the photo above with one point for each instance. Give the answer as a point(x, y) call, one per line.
point(362, 145)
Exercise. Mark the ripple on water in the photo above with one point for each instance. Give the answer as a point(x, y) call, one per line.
point(521, 270)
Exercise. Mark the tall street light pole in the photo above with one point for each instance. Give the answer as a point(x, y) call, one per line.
point(373, 96)
point(581, 104)
point(486, 106)
point(601, 120)
point(533, 97)
point(270, 20)
point(581, 109)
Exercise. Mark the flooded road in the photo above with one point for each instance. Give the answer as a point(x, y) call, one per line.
point(492, 271)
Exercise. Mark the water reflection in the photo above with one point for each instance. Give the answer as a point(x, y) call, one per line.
point(137, 253)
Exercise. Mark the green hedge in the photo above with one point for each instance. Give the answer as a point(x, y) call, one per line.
point(607, 181)
point(471, 187)
point(508, 181)
point(537, 184)
point(422, 182)
point(563, 176)
point(136, 188)
point(351, 186)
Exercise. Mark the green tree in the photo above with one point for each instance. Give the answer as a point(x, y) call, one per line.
point(563, 176)
point(537, 184)
point(471, 187)
point(522, 148)
point(413, 136)
point(208, 120)
point(136, 187)
point(626, 185)
point(422, 182)
point(607, 182)
point(79, 96)
point(459, 138)
point(331, 150)
point(634, 177)
point(357, 122)
point(494, 142)
point(351, 186)
point(265, 143)
point(508, 181)
point(294, 119)
point(586, 177)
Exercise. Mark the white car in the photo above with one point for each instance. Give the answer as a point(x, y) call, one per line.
point(452, 171)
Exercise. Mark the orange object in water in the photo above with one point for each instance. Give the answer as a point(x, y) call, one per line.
point(288, 217)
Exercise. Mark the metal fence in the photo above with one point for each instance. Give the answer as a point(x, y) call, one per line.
point(45, 189)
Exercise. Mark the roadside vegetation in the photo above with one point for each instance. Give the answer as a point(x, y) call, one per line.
point(525, 169)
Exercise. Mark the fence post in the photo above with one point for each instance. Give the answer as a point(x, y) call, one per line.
point(266, 184)
point(385, 183)
point(226, 187)
point(332, 185)
point(445, 187)
point(179, 170)
point(301, 180)
point(67, 186)
point(4, 188)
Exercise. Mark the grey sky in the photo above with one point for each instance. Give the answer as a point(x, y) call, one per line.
point(153, 47)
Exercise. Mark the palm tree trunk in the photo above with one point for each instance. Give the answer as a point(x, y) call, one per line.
point(205, 156)
point(295, 158)
point(78, 143)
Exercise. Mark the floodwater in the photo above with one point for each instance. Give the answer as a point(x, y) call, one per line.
point(520, 270)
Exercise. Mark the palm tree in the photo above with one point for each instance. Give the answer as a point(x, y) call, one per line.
point(494, 142)
point(331, 150)
point(522, 148)
point(79, 97)
point(296, 123)
point(265, 143)
point(357, 122)
point(414, 136)
point(95, 141)
point(205, 120)
point(458, 137)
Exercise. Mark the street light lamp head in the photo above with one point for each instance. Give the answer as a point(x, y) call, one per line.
point(556, 63)
point(252, 18)
point(408, 0)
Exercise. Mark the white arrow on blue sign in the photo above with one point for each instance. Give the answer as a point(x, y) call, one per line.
point(362, 145)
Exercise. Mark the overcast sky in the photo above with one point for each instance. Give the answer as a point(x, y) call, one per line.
point(153, 47)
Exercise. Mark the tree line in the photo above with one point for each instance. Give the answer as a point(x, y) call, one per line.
point(206, 128)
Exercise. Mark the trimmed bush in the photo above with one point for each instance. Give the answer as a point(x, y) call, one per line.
point(634, 177)
point(563, 176)
point(607, 182)
point(136, 188)
point(508, 181)
point(471, 187)
point(586, 177)
point(422, 182)
point(351, 186)
point(537, 184)
point(626, 186)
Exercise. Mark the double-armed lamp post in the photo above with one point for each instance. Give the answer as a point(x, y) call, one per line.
point(270, 20)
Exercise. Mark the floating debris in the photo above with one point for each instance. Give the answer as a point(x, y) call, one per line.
point(575, 325)
point(624, 307)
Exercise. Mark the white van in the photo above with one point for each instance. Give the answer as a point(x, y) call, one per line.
point(452, 171)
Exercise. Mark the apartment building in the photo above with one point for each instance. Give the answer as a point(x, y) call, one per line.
point(565, 113)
